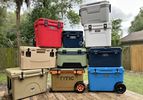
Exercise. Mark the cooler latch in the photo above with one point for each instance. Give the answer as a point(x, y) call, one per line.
point(90, 27)
point(46, 23)
point(105, 26)
point(28, 53)
point(52, 53)
point(59, 25)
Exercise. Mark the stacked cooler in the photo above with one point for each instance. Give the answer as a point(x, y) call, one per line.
point(71, 61)
point(31, 77)
point(105, 72)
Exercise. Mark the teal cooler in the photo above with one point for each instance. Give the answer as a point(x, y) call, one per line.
point(106, 79)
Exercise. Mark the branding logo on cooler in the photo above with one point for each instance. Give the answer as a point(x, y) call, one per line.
point(66, 77)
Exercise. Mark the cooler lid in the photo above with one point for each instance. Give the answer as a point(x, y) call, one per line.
point(105, 50)
point(37, 49)
point(48, 22)
point(66, 71)
point(72, 49)
point(72, 32)
point(105, 70)
point(94, 4)
point(15, 72)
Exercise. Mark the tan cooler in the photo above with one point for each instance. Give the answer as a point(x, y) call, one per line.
point(67, 80)
point(36, 57)
point(22, 84)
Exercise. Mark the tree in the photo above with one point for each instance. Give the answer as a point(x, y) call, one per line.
point(2, 16)
point(18, 3)
point(137, 23)
point(116, 32)
point(8, 30)
point(52, 9)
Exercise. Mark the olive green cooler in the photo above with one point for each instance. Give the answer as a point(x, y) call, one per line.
point(36, 57)
point(25, 83)
point(67, 80)
point(72, 58)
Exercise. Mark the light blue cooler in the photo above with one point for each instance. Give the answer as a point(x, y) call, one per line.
point(106, 79)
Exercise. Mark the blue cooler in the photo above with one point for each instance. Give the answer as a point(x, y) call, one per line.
point(106, 79)
point(72, 39)
point(102, 57)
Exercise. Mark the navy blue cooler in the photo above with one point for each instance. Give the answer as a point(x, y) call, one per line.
point(72, 39)
point(106, 79)
point(102, 57)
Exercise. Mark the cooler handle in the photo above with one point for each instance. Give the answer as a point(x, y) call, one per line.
point(105, 71)
point(109, 52)
point(69, 35)
point(22, 76)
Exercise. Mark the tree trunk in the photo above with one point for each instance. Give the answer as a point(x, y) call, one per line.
point(18, 34)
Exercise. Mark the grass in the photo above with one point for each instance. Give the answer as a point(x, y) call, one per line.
point(133, 81)
point(2, 78)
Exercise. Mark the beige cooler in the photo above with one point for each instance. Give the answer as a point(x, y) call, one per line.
point(36, 57)
point(26, 83)
point(66, 79)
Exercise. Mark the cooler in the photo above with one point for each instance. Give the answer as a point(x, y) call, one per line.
point(25, 83)
point(36, 57)
point(48, 33)
point(67, 80)
point(102, 57)
point(98, 34)
point(72, 58)
point(72, 39)
point(106, 79)
point(97, 12)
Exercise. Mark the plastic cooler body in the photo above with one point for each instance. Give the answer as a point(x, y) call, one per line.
point(105, 78)
point(98, 34)
point(48, 33)
point(72, 39)
point(72, 58)
point(102, 57)
point(97, 12)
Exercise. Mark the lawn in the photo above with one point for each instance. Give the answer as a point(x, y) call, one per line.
point(133, 81)
point(2, 78)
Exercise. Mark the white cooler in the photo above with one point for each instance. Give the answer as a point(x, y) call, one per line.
point(97, 12)
point(98, 34)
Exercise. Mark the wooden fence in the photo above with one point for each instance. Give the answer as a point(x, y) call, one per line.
point(136, 58)
point(126, 62)
point(132, 58)
point(8, 58)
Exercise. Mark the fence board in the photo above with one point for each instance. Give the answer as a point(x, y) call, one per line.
point(137, 58)
point(126, 62)
point(8, 58)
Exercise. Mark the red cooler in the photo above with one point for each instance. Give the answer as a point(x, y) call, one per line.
point(48, 33)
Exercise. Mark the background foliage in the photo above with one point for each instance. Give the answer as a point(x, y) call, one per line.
point(137, 23)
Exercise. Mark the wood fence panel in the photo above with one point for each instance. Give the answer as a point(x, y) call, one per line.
point(8, 58)
point(126, 61)
point(137, 58)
